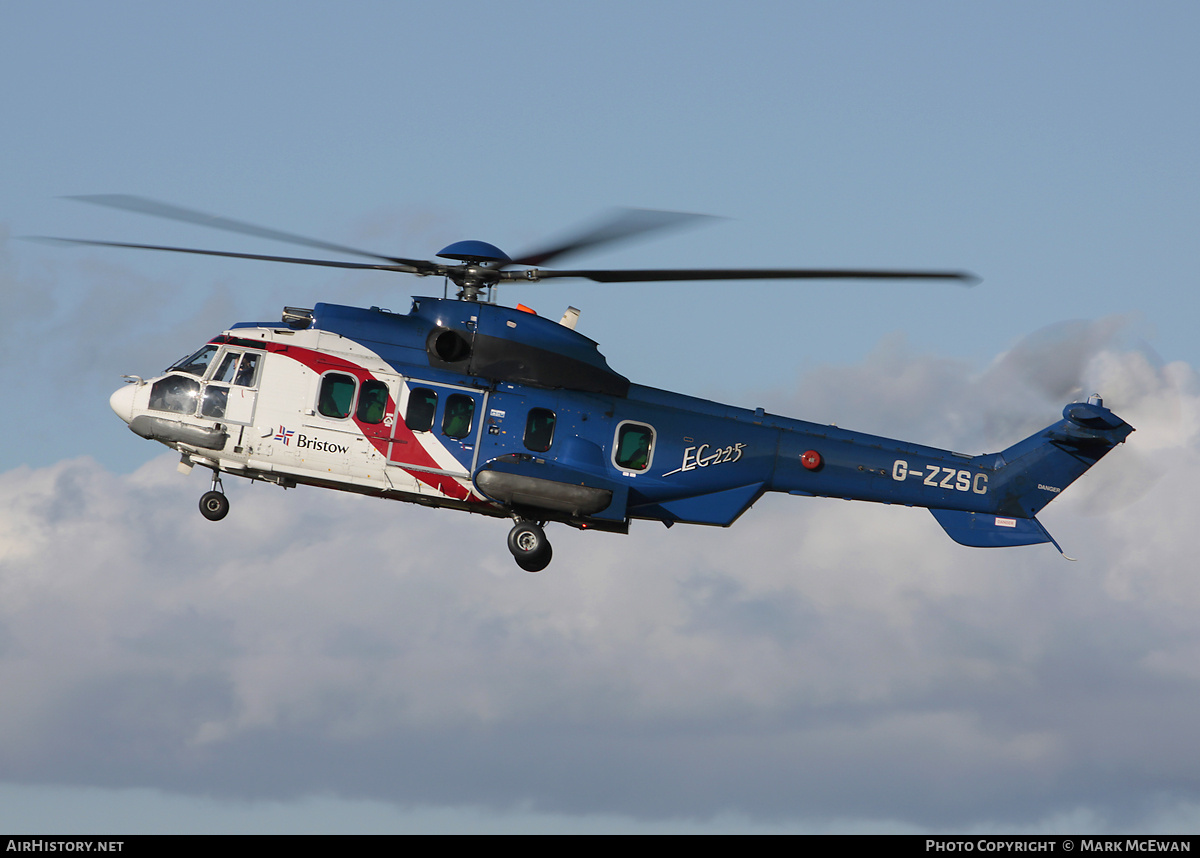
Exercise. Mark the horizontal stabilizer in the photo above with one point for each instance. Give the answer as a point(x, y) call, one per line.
point(984, 530)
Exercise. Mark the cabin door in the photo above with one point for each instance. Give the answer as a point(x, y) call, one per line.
point(437, 428)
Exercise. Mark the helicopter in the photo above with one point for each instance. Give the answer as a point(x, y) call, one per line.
point(466, 404)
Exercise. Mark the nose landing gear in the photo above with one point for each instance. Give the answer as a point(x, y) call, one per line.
point(213, 504)
point(529, 546)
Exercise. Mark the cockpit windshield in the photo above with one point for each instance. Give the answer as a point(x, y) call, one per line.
point(197, 363)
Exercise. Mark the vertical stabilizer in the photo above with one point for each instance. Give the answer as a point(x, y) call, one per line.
point(1033, 472)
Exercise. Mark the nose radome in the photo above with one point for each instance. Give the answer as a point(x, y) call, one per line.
point(122, 401)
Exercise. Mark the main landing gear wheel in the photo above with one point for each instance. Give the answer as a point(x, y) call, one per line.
point(529, 546)
point(214, 506)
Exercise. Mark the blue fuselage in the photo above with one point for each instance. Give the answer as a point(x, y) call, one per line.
point(543, 427)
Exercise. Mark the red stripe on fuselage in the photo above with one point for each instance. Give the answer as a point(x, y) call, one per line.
point(321, 362)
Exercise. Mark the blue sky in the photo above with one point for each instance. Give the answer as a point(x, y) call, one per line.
point(689, 678)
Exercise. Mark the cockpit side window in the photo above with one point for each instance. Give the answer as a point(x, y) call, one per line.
point(227, 368)
point(197, 363)
point(214, 400)
point(247, 372)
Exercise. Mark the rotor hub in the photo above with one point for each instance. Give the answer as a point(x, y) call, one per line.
point(471, 278)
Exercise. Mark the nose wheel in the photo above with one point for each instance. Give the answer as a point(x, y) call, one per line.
point(213, 504)
point(529, 546)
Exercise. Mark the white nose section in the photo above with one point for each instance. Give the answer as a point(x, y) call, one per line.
point(122, 401)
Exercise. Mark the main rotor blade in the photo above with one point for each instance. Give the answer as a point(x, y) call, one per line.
point(663, 274)
point(621, 224)
point(170, 212)
point(405, 269)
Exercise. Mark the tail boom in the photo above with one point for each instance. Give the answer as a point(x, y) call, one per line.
point(982, 501)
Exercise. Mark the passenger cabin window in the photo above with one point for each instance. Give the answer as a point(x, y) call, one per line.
point(336, 396)
point(539, 430)
point(372, 402)
point(635, 447)
point(422, 403)
point(460, 409)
